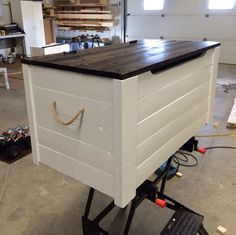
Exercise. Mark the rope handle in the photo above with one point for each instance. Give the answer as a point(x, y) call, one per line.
point(58, 119)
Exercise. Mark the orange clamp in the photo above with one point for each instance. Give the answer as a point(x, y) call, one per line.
point(160, 202)
point(201, 150)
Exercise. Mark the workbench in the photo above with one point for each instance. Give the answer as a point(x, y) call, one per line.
point(110, 116)
point(13, 38)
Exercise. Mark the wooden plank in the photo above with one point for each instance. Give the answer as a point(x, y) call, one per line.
point(179, 174)
point(92, 1)
point(158, 120)
point(151, 164)
point(162, 97)
point(76, 150)
point(127, 60)
point(175, 126)
point(82, 131)
point(95, 11)
point(59, 48)
point(125, 139)
point(64, 28)
point(149, 83)
point(85, 11)
point(85, 23)
point(79, 5)
point(222, 230)
point(84, 16)
point(231, 123)
point(212, 90)
point(96, 113)
point(86, 174)
point(27, 73)
point(87, 86)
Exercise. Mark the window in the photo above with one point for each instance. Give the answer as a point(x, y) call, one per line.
point(221, 4)
point(153, 4)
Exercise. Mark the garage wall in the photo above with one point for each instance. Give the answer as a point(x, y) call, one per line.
point(185, 20)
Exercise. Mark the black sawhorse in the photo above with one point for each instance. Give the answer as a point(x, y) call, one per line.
point(183, 222)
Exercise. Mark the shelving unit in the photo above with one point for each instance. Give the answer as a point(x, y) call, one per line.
point(48, 11)
point(28, 15)
point(92, 16)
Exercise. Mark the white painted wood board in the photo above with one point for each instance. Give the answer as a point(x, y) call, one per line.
point(76, 150)
point(231, 123)
point(149, 83)
point(39, 51)
point(156, 121)
point(88, 86)
point(162, 97)
point(78, 170)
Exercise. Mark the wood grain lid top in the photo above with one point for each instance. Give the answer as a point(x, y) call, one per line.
point(125, 60)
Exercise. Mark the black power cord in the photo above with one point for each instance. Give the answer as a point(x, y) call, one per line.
point(183, 161)
point(220, 147)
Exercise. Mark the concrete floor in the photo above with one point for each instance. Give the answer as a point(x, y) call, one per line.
point(37, 200)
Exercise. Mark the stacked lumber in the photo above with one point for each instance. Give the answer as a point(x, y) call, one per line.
point(48, 11)
point(76, 16)
point(96, 17)
point(83, 1)
point(81, 14)
point(85, 23)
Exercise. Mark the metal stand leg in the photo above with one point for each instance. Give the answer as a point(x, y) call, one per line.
point(163, 184)
point(130, 217)
point(149, 191)
point(89, 202)
point(91, 227)
point(202, 231)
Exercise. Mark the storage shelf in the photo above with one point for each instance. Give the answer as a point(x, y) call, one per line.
point(84, 5)
point(91, 16)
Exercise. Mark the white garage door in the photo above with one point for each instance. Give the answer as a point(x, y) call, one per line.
point(185, 19)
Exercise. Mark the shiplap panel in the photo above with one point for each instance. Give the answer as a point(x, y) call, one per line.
point(81, 131)
point(88, 86)
point(149, 82)
point(156, 141)
point(78, 170)
point(159, 157)
point(161, 98)
point(97, 113)
point(158, 120)
point(76, 150)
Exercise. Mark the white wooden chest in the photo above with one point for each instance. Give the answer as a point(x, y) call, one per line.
point(140, 103)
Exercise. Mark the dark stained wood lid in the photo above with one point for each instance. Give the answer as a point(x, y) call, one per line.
point(126, 59)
